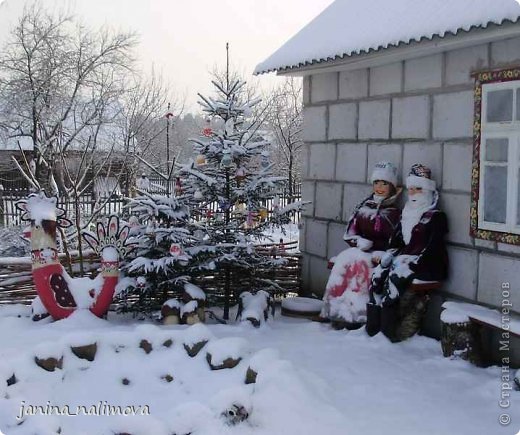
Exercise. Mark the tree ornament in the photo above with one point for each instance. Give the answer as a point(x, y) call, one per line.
point(175, 250)
point(226, 161)
point(200, 160)
point(198, 195)
point(209, 214)
point(207, 130)
point(250, 218)
point(224, 205)
point(199, 234)
point(133, 221)
point(141, 282)
point(276, 203)
point(230, 126)
point(240, 174)
point(263, 213)
point(178, 186)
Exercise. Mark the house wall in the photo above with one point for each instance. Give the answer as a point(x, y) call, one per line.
point(417, 110)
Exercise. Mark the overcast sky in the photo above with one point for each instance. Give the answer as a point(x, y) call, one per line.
point(185, 38)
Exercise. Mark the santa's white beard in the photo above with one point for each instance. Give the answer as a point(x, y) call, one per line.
point(413, 210)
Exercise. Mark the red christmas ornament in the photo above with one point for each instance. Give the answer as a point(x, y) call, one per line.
point(178, 186)
point(175, 250)
point(240, 174)
point(207, 131)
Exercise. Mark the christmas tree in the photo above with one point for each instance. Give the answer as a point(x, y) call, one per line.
point(167, 240)
point(229, 186)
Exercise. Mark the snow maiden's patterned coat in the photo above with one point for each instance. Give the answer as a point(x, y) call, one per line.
point(373, 223)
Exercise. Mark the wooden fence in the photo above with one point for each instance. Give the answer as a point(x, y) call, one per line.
point(10, 216)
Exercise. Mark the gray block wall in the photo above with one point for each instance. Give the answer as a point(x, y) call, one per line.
point(417, 110)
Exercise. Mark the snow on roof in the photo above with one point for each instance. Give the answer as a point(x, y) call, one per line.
point(350, 27)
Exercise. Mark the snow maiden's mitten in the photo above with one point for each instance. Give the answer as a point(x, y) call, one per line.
point(358, 242)
point(378, 280)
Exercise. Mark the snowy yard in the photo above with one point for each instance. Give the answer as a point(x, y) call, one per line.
point(314, 381)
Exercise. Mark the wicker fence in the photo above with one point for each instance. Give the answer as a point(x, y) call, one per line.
point(17, 286)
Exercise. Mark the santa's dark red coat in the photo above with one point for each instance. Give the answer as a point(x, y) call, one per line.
point(427, 242)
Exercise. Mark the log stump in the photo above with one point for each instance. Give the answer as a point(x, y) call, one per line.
point(171, 312)
point(462, 340)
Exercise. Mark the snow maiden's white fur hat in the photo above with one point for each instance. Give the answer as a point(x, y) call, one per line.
point(420, 176)
point(384, 171)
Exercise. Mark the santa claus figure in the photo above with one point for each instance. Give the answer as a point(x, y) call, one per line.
point(367, 235)
point(417, 254)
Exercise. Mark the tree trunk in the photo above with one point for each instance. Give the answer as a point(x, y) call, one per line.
point(227, 218)
point(291, 181)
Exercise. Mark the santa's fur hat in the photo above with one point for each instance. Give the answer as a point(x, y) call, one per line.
point(420, 176)
point(384, 171)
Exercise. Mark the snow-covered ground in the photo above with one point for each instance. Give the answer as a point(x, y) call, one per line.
point(314, 380)
point(289, 233)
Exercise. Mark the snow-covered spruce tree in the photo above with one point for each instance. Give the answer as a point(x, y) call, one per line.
point(164, 234)
point(229, 185)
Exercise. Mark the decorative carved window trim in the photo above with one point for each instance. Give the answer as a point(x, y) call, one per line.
point(482, 78)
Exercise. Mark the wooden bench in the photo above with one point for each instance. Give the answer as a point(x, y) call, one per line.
point(462, 329)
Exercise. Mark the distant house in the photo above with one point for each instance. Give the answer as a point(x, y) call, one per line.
point(106, 182)
point(408, 81)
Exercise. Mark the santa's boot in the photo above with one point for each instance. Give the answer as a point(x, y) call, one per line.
point(389, 321)
point(373, 325)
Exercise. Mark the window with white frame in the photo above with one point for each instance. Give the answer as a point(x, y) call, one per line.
point(499, 199)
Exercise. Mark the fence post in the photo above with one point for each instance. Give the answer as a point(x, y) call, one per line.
point(2, 206)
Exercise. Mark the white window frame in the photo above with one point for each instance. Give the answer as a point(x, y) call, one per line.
point(511, 131)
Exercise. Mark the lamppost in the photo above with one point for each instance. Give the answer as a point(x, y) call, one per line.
point(169, 170)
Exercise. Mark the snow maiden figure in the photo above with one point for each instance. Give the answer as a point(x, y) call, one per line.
point(368, 234)
point(417, 256)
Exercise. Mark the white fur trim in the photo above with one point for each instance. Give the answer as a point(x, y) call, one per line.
point(384, 174)
point(425, 183)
